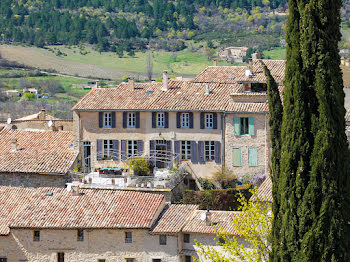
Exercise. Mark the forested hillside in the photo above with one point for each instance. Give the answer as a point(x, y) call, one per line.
point(108, 23)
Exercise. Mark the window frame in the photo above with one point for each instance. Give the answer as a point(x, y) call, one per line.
point(60, 259)
point(36, 238)
point(80, 235)
point(131, 119)
point(162, 240)
point(107, 149)
point(209, 121)
point(186, 150)
point(132, 148)
point(160, 120)
point(107, 119)
point(128, 237)
point(244, 126)
point(209, 150)
point(187, 238)
point(185, 120)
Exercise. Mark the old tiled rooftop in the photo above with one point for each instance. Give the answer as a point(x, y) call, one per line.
point(220, 221)
point(43, 152)
point(57, 208)
point(264, 192)
point(174, 219)
point(236, 74)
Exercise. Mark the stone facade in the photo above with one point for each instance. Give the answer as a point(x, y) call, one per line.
point(33, 180)
point(105, 244)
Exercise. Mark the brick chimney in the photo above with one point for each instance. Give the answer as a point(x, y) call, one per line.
point(14, 144)
point(250, 65)
point(165, 81)
point(131, 83)
point(208, 218)
point(42, 114)
point(215, 62)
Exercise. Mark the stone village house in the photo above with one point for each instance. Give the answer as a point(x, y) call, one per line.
point(89, 225)
point(219, 118)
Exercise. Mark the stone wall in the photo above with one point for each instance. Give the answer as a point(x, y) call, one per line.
point(106, 244)
point(260, 140)
point(33, 180)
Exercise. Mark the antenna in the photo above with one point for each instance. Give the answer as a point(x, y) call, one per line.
point(9, 120)
point(50, 123)
point(203, 217)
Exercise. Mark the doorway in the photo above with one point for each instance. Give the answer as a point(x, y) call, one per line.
point(87, 157)
point(161, 153)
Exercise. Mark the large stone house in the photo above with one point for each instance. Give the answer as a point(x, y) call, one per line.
point(220, 118)
point(36, 158)
point(57, 225)
point(205, 123)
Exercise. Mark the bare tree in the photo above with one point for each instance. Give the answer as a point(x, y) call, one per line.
point(149, 66)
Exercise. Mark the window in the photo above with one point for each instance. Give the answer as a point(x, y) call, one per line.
point(156, 260)
point(237, 157)
point(160, 120)
point(162, 240)
point(36, 236)
point(188, 259)
point(60, 257)
point(128, 237)
point(186, 238)
point(107, 119)
point(132, 120)
point(252, 156)
point(3, 259)
point(101, 260)
point(209, 121)
point(132, 148)
point(130, 260)
point(185, 150)
point(185, 120)
point(80, 235)
point(209, 148)
point(107, 149)
point(244, 126)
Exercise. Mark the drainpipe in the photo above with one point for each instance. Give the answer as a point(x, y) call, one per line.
point(222, 140)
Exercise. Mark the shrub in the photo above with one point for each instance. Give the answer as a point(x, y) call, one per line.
point(206, 183)
point(224, 178)
point(217, 199)
point(140, 167)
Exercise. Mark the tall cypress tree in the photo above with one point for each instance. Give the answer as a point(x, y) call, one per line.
point(275, 123)
point(312, 186)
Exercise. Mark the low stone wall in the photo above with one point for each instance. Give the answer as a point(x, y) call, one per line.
point(33, 180)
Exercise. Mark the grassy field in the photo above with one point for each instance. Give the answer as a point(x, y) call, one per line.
point(89, 63)
point(278, 53)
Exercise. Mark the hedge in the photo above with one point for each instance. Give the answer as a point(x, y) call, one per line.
point(216, 199)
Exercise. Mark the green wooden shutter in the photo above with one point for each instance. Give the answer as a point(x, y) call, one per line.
point(236, 125)
point(253, 156)
point(251, 126)
point(237, 157)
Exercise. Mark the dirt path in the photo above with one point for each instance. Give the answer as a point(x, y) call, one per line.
point(31, 57)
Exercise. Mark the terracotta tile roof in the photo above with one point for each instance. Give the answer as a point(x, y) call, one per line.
point(264, 192)
point(90, 209)
point(174, 219)
point(234, 74)
point(12, 201)
point(221, 220)
point(43, 152)
point(248, 107)
point(347, 116)
point(182, 95)
point(36, 117)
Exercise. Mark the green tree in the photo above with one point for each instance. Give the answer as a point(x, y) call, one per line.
point(312, 186)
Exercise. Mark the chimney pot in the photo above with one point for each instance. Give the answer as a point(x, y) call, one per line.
point(131, 83)
point(208, 217)
point(14, 144)
point(42, 114)
point(165, 81)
